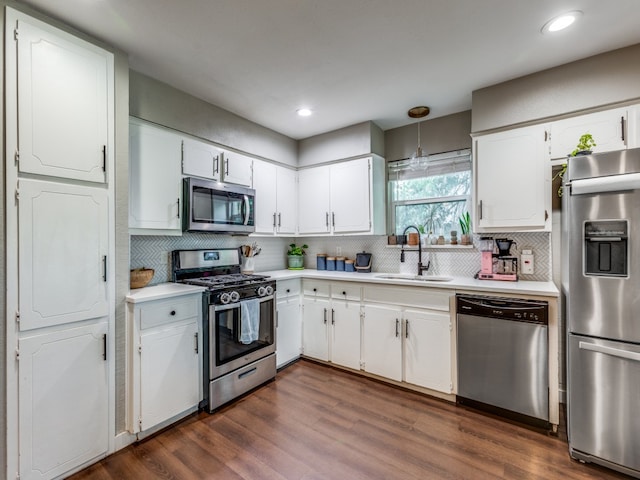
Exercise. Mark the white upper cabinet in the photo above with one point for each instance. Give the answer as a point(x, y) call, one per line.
point(608, 128)
point(512, 179)
point(275, 198)
point(65, 103)
point(200, 159)
point(63, 234)
point(342, 198)
point(237, 168)
point(155, 179)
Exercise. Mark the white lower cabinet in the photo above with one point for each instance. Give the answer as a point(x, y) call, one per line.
point(331, 323)
point(289, 322)
point(165, 351)
point(63, 389)
point(405, 343)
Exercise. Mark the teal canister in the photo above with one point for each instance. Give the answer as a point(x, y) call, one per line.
point(321, 261)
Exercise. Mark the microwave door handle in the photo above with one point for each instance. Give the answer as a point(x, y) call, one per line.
point(246, 206)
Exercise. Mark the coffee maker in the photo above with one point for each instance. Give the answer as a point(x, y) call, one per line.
point(500, 265)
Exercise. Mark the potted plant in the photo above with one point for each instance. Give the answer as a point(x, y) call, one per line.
point(465, 228)
point(585, 144)
point(295, 256)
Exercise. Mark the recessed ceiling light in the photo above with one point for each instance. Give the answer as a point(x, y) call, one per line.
point(561, 22)
point(304, 112)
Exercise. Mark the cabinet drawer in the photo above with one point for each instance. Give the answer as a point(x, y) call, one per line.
point(410, 297)
point(348, 291)
point(285, 288)
point(315, 288)
point(169, 311)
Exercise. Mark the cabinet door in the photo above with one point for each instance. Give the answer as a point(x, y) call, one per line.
point(155, 184)
point(607, 129)
point(345, 333)
point(265, 184)
point(289, 332)
point(63, 103)
point(200, 159)
point(286, 200)
point(63, 235)
point(237, 169)
point(511, 180)
point(428, 349)
point(63, 400)
point(314, 200)
point(351, 196)
point(315, 332)
point(382, 341)
point(169, 379)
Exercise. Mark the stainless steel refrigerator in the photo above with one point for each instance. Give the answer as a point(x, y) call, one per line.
point(601, 286)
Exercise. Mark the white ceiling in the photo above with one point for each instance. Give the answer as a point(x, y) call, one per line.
point(348, 60)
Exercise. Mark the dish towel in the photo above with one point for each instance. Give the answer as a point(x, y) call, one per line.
point(249, 320)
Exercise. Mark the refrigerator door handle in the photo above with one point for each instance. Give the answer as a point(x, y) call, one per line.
point(611, 183)
point(615, 352)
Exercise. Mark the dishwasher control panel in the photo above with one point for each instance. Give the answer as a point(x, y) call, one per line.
point(522, 310)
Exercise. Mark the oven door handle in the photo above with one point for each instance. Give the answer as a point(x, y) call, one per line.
point(228, 306)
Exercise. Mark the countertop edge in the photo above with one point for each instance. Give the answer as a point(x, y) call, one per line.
point(160, 291)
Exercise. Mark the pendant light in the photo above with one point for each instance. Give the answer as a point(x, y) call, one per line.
point(418, 159)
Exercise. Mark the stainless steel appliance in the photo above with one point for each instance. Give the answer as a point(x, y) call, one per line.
point(601, 285)
point(217, 207)
point(503, 356)
point(239, 328)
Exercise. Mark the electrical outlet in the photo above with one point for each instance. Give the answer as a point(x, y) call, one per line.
point(526, 258)
point(338, 251)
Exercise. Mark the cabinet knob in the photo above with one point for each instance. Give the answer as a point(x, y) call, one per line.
point(315, 289)
point(344, 293)
point(173, 312)
point(288, 290)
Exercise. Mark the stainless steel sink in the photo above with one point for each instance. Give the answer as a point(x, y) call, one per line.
point(419, 278)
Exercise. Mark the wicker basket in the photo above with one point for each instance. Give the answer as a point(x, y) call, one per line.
point(140, 277)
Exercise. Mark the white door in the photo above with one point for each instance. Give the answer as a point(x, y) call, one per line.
point(351, 196)
point(286, 200)
point(200, 159)
point(382, 341)
point(63, 235)
point(314, 200)
point(169, 375)
point(289, 332)
point(63, 103)
point(607, 129)
point(345, 333)
point(428, 349)
point(511, 178)
point(155, 186)
point(63, 400)
point(315, 332)
point(264, 183)
point(237, 169)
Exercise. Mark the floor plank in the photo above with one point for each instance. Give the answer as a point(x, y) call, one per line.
point(319, 423)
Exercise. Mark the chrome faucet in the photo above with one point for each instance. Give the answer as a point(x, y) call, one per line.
point(421, 268)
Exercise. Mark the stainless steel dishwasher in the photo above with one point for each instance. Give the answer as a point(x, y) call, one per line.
point(503, 356)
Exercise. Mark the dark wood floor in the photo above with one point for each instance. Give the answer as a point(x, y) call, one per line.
point(315, 422)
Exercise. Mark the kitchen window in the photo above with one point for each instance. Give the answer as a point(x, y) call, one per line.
point(430, 192)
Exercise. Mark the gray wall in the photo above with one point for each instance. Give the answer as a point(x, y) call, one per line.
point(599, 81)
point(349, 142)
point(158, 102)
point(442, 134)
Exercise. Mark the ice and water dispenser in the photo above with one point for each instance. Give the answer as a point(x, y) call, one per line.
point(606, 248)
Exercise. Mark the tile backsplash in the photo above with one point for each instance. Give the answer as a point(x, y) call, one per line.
point(154, 252)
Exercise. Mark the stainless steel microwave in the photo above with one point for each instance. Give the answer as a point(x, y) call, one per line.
point(217, 207)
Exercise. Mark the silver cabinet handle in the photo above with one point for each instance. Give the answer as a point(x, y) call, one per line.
point(333, 317)
point(327, 219)
point(325, 316)
point(226, 167)
point(406, 329)
point(279, 220)
point(104, 268)
point(274, 219)
point(397, 325)
point(480, 210)
point(333, 219)
point(178, 202)
point(195, 337)
point(216, 165)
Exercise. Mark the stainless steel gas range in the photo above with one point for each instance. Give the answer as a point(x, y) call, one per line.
point(239, 327)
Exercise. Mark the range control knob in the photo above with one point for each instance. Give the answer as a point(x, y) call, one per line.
point(225, 298)
point(235, 296)
point(262, 291)
point(269, 289)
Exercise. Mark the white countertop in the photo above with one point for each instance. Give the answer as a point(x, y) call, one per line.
point(522, 287)
point(163, 290)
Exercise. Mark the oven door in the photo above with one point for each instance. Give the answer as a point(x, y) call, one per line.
point(240, 333)
point(218, 207)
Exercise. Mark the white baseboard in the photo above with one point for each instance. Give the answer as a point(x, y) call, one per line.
point(122, 440)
